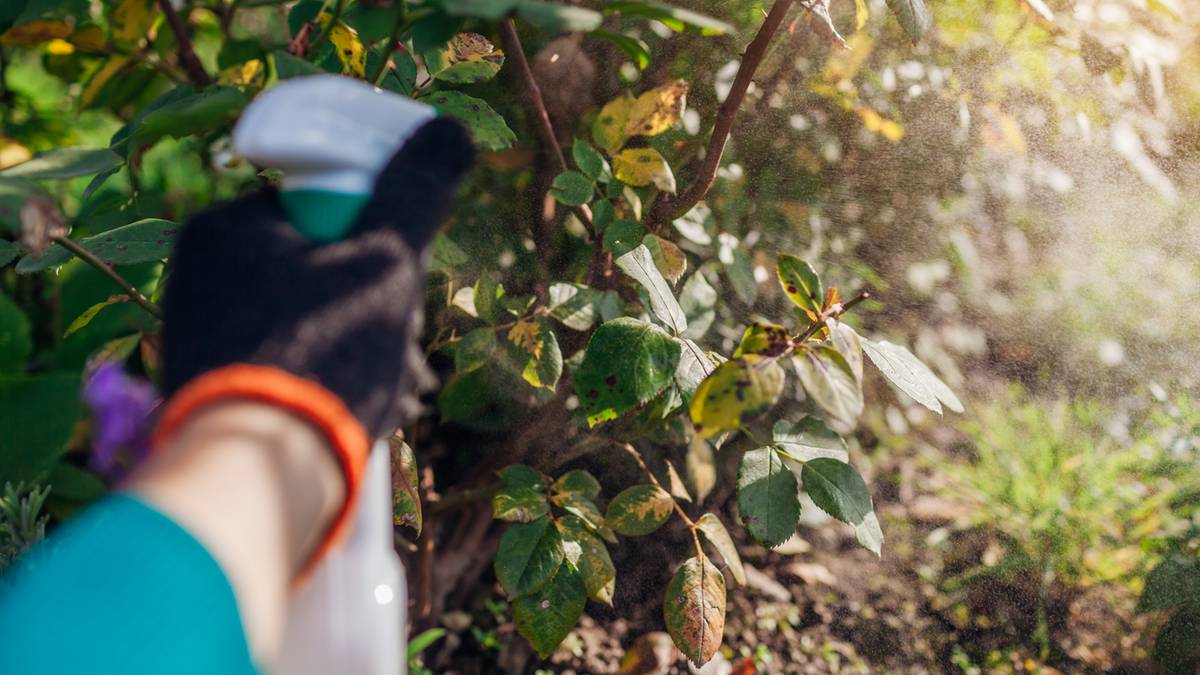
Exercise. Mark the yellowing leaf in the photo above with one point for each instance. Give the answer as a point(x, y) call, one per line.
point(89, 39)
point(350, 50)
point(34, 33)
point(466, 59)
point(59, 47)
point(101, 77)
point(766, 339)
point(861, 14)
point(656, 110)
point(694, 609)
point(131, 20)
point(639, 510)
point(643, 166)
point(249, 74)
point(609, 128)
point(876, 123)
point(12, 152)
point(737, 391)
point(526, 334)
point(668, 258)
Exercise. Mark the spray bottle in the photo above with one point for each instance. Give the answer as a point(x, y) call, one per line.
point(331, 136)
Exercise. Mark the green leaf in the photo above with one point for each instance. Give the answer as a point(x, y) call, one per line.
point(578, 482)
point(9, 250)
point(572, 188)
point(801, 284)
point(70, 482)
point(714, 530)
point(590, 556)
point(675, 18)
point(528, 556)
point(533, 347)
point(809, 438)
point(828, 379)
point(627, 363)
point(768, 497)
point(1177, 647)
point(90, 313)
point(590, 162)
point(694, 366)
point(694, 609)
point(668, 257)
point(288, 66)
point(16, 343)
point(545, 617)
point(142, 241)
point(467, 58)
point(639, 264)
point(698, 300)
point(197, 113)
point(644, 166)
point(603, 215)
point(637, 50)
point(764, 339)
point(519, 475)
point(487, 127)
point(483, 9)
point(422, 642)
point(738, 391)
point(913, 15)
point(837, 489)
point(577, 306)
point(586, 510)
point(911, 376)
point(1173, 582)
point(65, 163)
point(519, 504)
point(475, 350)
point(558, 18)
point(29, 449)
point(406, 499)
point(639, 510)
point(622, 236)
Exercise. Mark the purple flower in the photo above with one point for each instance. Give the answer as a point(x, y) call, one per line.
point(121, 407)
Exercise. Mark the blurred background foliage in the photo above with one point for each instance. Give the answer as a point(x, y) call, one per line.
point(1018, 191)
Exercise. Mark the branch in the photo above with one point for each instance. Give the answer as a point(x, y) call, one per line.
point(187, 53)
point(637, 457)
point(512, 43)
point(833, 312)
point(667, 209)
point(91, 259)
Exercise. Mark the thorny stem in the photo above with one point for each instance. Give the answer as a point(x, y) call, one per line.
point(187, 53)
point(637, 457)
point(91, 259)
point(831, 313)
point(666, 209)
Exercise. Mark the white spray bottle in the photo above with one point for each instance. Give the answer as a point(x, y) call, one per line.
point(331, 136)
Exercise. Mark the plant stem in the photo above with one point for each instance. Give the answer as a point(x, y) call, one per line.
point(91, 259)
point(637, 457)
point(187, 53)
point(338, 7)
point(398, 28)
point(667, 209)
point(832, 313)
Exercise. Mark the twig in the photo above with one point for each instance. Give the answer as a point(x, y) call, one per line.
point(91, 259)
point(187, 53)
point(637, 457)
point(832, 313)
point(512, 43)
point(667, 209)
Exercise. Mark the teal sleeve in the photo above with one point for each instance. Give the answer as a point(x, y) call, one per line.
point(120, 589)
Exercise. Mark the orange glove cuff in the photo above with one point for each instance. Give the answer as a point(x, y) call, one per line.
point(292, 393)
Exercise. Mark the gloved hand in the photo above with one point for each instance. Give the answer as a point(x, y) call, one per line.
point(254, 310)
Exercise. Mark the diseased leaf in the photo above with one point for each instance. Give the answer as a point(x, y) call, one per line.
point(700, 467)
point(627, 363)
point(468, 58)
point(534, 347)
point(644, 166)
point(828, 379)
point(913, 15)
point(519, 504)
point(406, 500)
point(809, 438)
point(639, 510)
point(764, 339)
point(668, 258)
point(911, 376)
point(639, 264)
point(350, 50)
point(837, 489)
point(545, 617)
point(768, 497)
point(675, 483)
point(608, 131)
point(586, 510)
point(572, 188)
point(801, 284)
point(141, 241)
point(656, 110)
point(822, 23)
point(488, 129)
point(694, 609)
point(737, 391)
point(592, 559)
point(90, 313)
point(714, 530)
point(578, 482)
point(528, 556)
point(65, 163)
